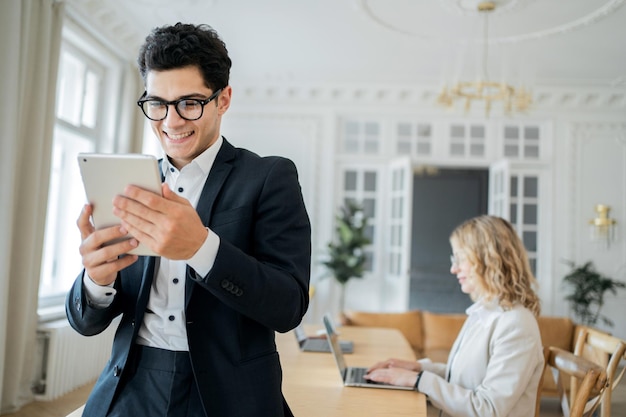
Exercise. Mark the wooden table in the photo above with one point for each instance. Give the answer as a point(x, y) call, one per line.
point(313, 387)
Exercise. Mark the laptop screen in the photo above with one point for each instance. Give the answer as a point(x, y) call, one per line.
point(335, 348)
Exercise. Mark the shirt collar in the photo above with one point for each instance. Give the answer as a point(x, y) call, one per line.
point(484, 310)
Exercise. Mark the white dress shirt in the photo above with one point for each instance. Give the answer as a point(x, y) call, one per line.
point(164, 320)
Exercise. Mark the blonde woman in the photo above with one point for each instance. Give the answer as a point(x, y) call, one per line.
point(496, 362)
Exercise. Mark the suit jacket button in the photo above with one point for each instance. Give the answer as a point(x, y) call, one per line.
point(225, 283)
point(117, 371)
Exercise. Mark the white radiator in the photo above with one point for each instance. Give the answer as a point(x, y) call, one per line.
point(67, 360)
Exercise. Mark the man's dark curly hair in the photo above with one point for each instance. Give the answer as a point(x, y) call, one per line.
point(184, 45)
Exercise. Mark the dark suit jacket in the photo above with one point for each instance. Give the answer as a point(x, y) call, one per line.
point(258, 285)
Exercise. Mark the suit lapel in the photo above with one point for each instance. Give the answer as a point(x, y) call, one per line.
point(215, 181)
point(150, 266)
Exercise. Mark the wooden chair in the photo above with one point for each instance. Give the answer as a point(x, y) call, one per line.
point(546, 356)
point(605, 350)
point(591, 377)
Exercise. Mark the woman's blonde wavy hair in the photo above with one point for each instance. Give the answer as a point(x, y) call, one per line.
point(499, 261)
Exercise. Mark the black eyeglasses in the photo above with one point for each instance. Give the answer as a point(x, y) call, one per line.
point(187, 108)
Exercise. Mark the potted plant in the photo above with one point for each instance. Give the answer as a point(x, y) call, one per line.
point(346, 255)
point(588, 288)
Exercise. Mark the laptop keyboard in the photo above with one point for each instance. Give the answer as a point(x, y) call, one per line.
point(358, 374)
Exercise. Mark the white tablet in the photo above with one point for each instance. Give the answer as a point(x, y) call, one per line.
point(106, 175)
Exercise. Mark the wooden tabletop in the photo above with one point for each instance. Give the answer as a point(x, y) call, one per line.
point(313, 387)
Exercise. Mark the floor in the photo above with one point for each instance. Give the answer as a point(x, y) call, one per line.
point(57, 408)
point(68, 403)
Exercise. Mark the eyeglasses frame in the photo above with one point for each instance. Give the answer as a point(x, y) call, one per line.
point(175, 104)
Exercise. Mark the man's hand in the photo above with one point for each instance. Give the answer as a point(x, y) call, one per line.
point(168, 225)
point(102, 263)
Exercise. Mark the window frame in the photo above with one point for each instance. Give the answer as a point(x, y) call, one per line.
point(103, 61)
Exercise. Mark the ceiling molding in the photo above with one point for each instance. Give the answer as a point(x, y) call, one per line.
point(601, 12)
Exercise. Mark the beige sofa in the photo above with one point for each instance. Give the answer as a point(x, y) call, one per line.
point(431, 335)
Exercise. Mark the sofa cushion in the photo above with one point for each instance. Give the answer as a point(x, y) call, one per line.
point(440, 331)
point(409, 323)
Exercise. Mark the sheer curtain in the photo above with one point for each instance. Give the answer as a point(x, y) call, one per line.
point(30, 38)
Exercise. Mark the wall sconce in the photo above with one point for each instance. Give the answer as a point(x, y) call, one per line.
point(603, 227)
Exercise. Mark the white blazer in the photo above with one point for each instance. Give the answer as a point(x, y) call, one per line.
point(494, 366)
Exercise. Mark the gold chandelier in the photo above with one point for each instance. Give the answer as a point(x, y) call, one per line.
point(483, 89)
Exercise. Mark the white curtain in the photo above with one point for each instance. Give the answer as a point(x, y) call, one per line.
point(30, 39)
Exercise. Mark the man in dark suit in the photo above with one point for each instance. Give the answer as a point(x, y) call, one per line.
point(196, 336)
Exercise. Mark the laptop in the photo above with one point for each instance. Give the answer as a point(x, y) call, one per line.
point(351, 376)
point(318, 344)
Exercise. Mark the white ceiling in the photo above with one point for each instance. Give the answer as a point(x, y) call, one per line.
point(549, 42)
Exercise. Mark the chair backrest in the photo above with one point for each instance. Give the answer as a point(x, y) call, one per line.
point(591, 377)
point(605, 350)
point(546, 356)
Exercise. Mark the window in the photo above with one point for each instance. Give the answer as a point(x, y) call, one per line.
point(361, 138)
point(360, 187)
point(414, 139)
point(524, 212)
point(521, 141)
point(468, 140)
point(86, 79)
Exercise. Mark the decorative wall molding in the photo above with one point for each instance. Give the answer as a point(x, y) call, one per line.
point(552, 98)
point(583, 134)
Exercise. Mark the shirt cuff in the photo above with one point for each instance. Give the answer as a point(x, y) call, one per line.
point(100, 296)
point(202, 261)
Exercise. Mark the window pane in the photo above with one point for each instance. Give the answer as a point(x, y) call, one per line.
point(530, 241)
point(530, 214)
point(371, 129)
point(370, 181)
point(530, 187)
point(531, 132)
point(369, 207)
point(91, 100)
point(457, 131)
point(404, 147)
point(423, 130)
point(513, 213)
point(477, 131)
point(61, 259)
point(531, 151)
point(513, 186)
point(510, 151)
point(423, 148)
point(70, 88)
point(349, 181)
point(370, 146)
point(477, 150)
point(511, 132)
point(457, 149)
